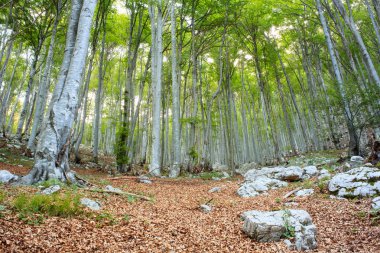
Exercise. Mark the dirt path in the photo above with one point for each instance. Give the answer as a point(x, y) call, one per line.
point(173, 223)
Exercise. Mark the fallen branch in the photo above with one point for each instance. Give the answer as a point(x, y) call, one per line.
point(119, 193)
point(292, 192)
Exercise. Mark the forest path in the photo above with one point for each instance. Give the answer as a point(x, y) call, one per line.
point(173, 222)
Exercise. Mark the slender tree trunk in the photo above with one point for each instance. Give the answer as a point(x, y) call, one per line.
point(176, 138)
point(44, 85)
point(354, 142)
point(155, 13)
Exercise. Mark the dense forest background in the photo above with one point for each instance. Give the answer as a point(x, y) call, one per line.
point(193, 83)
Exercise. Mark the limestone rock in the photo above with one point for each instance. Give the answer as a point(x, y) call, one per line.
point(357, 159)
point(144, 180)
point(206, 208)
point(7, 177)
point(272, 226)
point(215, 189)
point(304, 192)
point(110, 188)
point(324, 174)
point(309, 172)
point(52, 189)
point(259, 185)
point(93, 205)
point(358, 182)
point(292, 173)
point(376, 203)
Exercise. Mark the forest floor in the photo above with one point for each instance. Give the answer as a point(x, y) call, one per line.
point(173, 222)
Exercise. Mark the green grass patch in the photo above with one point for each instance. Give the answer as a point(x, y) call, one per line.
point(60, 205)
point(210, 175)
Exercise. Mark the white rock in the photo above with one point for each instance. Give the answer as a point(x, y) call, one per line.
point(309, 172)
point(292, 173)
point(304, 192)
point(271, 227)
point(7, 177)
point(93, 205)
point(52, 189)
point(259, 185)
point(144, 180)
point(215, 189)
point(376, 203)
point(110, 188)
point(206, 208)
point(324, 174)
point(357, 159)
point(358, 182)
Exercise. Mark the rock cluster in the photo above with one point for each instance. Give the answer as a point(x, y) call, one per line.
point(258, 181)
point(358, 182)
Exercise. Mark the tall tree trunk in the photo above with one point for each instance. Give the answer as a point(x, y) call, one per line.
point(51, 158)
point(155, 13)
point(176, 138)
point(354, 142)
point(350, 22)
point(44, 84)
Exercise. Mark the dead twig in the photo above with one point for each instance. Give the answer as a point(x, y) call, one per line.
point(292, 192)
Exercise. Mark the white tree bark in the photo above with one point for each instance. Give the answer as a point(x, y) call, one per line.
point(51, 158)
point(176, 138)
point(155, 13)
point(44, 85)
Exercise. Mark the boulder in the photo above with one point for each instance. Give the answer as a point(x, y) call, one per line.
point(376, 203)
point(258, 185)
point(309, 172)
point(52, 189)
point(292, 173)
point(273, 226)
point(110, 188)
point(93, 205)
point(358, 182)
point(265, 171)
point(7, 177)
point(304, 192)
point(244, 168)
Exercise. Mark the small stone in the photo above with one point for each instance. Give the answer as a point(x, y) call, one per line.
point(216, 179)
point(145, 180)
point(206, 208)
point(52, 189)
point(357, 159)
point(215, 189)
point(289, 244)
point(368, 165)
point(292, 203)
point(225, 175)
point(304, 192)
point(93, 205)
point(110, 188)
point(7, 177)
